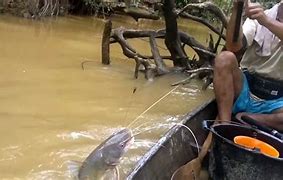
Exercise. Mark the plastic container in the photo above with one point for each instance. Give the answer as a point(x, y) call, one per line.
point(230, 161)
point(255, 144)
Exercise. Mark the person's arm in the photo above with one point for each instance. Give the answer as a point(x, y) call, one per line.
point(255, 11)
point(276, 27)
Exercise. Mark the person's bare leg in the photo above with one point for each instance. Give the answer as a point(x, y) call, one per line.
point(227, 83)
point(274, 120)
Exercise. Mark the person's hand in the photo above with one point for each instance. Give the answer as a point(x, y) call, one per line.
point(256, 11)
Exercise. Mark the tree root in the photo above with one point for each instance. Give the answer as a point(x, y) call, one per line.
point(120, 35)
point(175, 42)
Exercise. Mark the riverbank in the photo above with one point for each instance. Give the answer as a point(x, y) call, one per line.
point(34, 8)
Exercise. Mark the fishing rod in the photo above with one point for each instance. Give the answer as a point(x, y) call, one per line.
point(156, 102)
point(262, 127)
point(240, 7)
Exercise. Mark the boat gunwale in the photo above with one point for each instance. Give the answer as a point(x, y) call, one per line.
point(163, 140)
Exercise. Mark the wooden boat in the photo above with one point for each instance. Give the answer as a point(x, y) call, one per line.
point(175, 148)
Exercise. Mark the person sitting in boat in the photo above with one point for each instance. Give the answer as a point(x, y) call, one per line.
point(256, 88)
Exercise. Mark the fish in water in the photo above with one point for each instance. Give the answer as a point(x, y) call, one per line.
point(102, 162)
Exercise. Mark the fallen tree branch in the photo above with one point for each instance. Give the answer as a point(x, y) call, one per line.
point(160, 65)
point(138, 13)
point(207, 81)
point(204, 51)
point(120, 35)
point(204, 22)
point(146, 65)
point(106, 42)
point(200, 70)
point(185, 81)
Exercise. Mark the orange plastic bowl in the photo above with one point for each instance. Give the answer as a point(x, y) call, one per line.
point(252, 143)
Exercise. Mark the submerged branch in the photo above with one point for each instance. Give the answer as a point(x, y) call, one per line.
point(106, 42)
point(160, 65)
point(120, 35)
point(199, 70)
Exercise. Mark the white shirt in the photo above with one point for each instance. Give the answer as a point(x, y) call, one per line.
point(255, 58)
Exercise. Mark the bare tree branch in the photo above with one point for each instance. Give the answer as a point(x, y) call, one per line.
point(204, 22)
point(161, 67)
point(106, 42)
point(208, 6)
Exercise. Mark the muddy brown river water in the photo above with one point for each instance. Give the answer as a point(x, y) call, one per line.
point(53, 113)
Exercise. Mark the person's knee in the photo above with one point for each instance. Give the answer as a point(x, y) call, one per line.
point(224, 60)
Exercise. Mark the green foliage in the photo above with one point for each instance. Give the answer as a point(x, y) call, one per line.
point(268, 3)
point(225, 5)
point(182, 3)
point(91, 3)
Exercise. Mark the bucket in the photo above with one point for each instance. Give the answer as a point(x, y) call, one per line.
point(230, 161)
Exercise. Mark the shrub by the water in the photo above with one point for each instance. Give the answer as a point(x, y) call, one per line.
point(35, 8)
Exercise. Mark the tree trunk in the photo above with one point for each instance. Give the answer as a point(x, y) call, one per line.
point(172, 39)
point(106, 42)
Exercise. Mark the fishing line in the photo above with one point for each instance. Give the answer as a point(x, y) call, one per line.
point(148, 142)
point(145, 111)
point(137, 128)
point(175, 124)
point(138, 133)
point(145, 123)
point(130, 103)
point(195, 139)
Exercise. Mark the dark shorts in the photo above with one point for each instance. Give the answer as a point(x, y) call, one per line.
point(247, 102)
